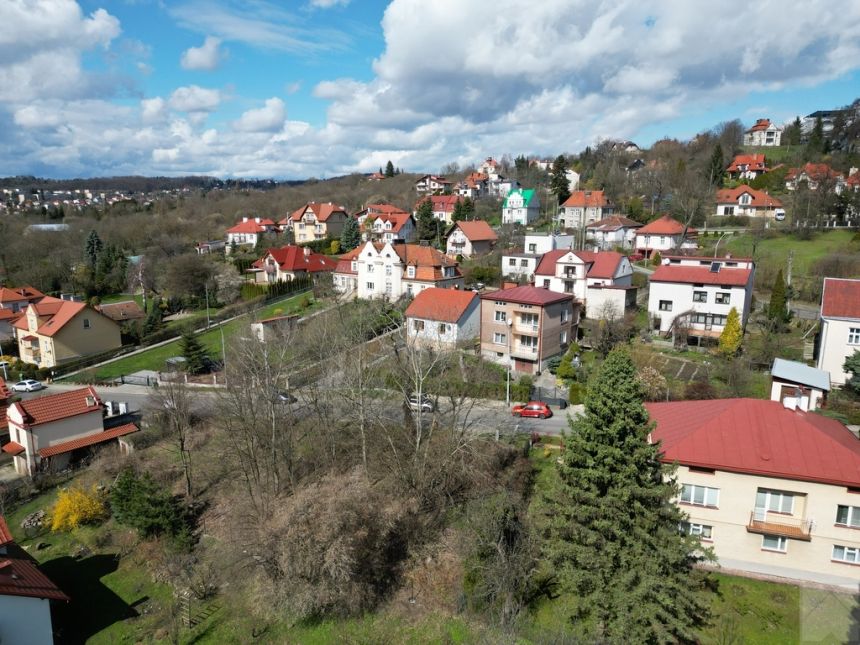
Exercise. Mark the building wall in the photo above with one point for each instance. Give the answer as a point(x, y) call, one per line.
point(463, 330)
point(737, 548)
point(522, 267)
point(681, 297)
point(459, 244)
point(540, 244)
point(814, 397)
point(656, 242)
point(602, 303)
point(74, 340)
point(835, 349)
point(25, 620)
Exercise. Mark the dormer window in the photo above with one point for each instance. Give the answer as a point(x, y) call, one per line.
point(410, 272)
point(745, 199)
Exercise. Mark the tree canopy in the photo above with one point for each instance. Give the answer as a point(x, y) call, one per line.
point(559, 183)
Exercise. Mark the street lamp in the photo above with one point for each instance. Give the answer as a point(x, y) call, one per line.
point(510, 360)
point(718, 243)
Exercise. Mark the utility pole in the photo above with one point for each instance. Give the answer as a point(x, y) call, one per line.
point(788, 280)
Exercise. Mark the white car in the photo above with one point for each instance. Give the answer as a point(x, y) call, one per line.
point(27, 386)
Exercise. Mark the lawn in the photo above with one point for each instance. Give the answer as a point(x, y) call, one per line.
point(806, 252)
point(122, 297)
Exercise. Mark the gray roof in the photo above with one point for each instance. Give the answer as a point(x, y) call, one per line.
point(800, 373)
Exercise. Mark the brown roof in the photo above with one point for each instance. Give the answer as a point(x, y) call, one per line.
point(759, 198)
point(733, 277)
point(428, 262)
point(322, 211)
point(476, 231)
point(613, 223)
point(19, 294)
point(441, 203)
point(125, 310)
point(58, 313)
point(587, 199)
point(840, 298)
point(443, 305)
point(293, 258)
point(53, 407)
point(527, 295)
point(664, 225)
point(88, 440)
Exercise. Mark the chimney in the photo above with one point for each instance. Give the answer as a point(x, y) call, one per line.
point(244, 219)
point(508, 285)
point(307, 251)
point(257, 220)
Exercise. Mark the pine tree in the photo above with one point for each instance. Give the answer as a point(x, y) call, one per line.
point(458, 215)
point(350, 237)
point(468, 209)
point(716, 167)
point(852, 367)
point(732, 335)
point(152, 323)
point(559, 183)
point(389, 169)
point(776, 309)
point(196, 358)
point(426, 221)
point(613, 529)
point(92, 248)
point(815, 143)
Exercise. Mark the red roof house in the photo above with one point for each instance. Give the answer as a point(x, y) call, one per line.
point(840, 298)
point(443, 316)
point(748, 166)
point(840, 327)
point(288, 263)
point(470, 238)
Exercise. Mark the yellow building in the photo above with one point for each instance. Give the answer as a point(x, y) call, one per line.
point(55, 331)
point(316, 221)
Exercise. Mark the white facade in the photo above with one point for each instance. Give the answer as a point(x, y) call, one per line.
point(571, 275)
point(840, 338)
point(382, 230)
point(541, 243)
point(24, 619)
point(786, 393)
point(430, 184)
point(521, 207)
point(519, 265)
point(763, 133)
point(579, 216)
point(604, 240)
point(445, 335)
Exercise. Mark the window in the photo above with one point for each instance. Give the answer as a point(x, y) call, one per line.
point(529, 320)
point(355, 266)
point(524, 262)
point(443, 328)
point(417, 325)
point(370, 268)
point(86, 323)
point(562, 338)
point(500, 339)
point(546, 283)
point(774, 543)
point(663, 239)
point(501, 316)
point(775, 501)
point(665, 305)
point(745, 199)
point(700, 495)
point(529, 341)
point(854, 336)
point(370, 286)
point(848, 554)
point(729, 210)
point(532, 248)
point(700, 296)
point(848, 516)
point(565, 315)
point(410, 272)
point(388, 270)
point(387, 288)
point(703, 530)
point(512, 262)
point(723, 298)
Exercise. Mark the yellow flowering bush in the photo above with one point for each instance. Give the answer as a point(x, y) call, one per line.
point(76, 506)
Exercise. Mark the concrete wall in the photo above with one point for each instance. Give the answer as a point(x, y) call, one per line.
point(835, 349)
point(523, 267)
point(25, 621)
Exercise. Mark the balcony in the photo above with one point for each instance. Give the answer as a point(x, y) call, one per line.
point(527, 327)
point(524, 351)
point(769, 523)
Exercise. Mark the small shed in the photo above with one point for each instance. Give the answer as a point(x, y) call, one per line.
point(798, 386)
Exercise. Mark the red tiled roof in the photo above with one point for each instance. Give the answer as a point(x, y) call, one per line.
point(732, 277)
point(45, 409)
point(322, 211)
point(380, 209)
point(443, 305)
point(753, 162)
point(293, 258)
point(251, 226)
point(344, 264)
point(602, 264)
point(815, 171)
point(761, 124)
point(4, 390)
point(587, 199)
point(840, 298)
point(5, 533)
point(441, 203)
point(757, 437)
point(428, 262)
point(20, 574)
point(476, 231)
point(13, 448)
point(8, 314)
point(125, 310)
point(30, 339)
point(58, 313)
point(527, 295)
point(89, 440)
point(19, 294)
point(664, 225)
point(760, 199)
point(613, 223)
point(398, 219)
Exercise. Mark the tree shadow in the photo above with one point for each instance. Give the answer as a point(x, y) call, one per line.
point(93, 606)
point(854, 625)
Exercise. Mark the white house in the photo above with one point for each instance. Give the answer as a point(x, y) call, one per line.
point(541, 243)
point(615, 231)
point(521, 206)
point(443, 318)
point(470, 238)
point(748, 202)
point(747, 166)
point(429, 184)
point(248, 231)
point(377, 270)
point(475, 186)
point(598, 280)
point(840, 327)
point(797, 385)
point(520, 265)
point(388, 227)
point(664, 234)
point(815, 175)
point(288, 263)
point(584, 207)
point(697, 293)
point(763, 133)
point(502, 187)
point(491, 168)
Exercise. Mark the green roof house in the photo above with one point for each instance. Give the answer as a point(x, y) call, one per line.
point(521, 206)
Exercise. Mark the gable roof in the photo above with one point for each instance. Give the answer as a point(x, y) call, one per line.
point(613, 223)
point(815, 171)
point(53, 407)
point(800, 373)
point(293, 258)
point(443, 305)
point(602, 264)
point(527, 295)
point(664, 225)
point(759, 197)
point(58, 313)
point(19, 294)
point(760, 124)
point(398, 220)
point(322, 211)
point(728, 276)
point(476, 231)
point(757, 437)
point(840, 298)
point(586, 199)
point(528, 194)
point(344, 262)
point(252, 226)
point(20, 574)
point(754, 162)
point(87, 440)
point(376, 210)
point(443, 203)
point(125, 310)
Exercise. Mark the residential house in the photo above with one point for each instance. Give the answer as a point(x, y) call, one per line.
point(748, 202)
point(377, 270)
point(664, 234)
point(584, 207)
point(541, 243)
point(384, 223)
point(502, 187)
point(443, 318)
point(375, 176)
point(431, 184)
point(694, 295)
point(815, 175)
point(122, 311)
point(771, 490)
point(614, 231)
point(520, 265)
point(491, 168)
point(839, 337)
point(54, 331)
point(274, 329)
point(49, 431)
point(524, 327)
point(747, 166)
point(443, 207)
point(288, 263)
point(521, 206)
point(248, 232)
point(763, 133)
point(13, 301)
point(5, 396)
point(470, 238)
point(602, 282)
point(316, 221)
point(211, 246)
point(798, 386)
point(25, 595)
point(829, 119)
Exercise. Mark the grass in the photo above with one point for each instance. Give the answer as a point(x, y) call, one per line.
point(776, 249)
point(775, 154)
point(121, 297)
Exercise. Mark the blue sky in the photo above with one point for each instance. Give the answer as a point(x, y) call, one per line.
point(293, 89)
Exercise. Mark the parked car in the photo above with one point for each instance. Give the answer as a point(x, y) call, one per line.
point(426, 403)
point(533, 409)
point(27, 386)
point(285, 397)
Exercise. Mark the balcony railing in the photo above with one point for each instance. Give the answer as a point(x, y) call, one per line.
point(769, 523)
point(529, 328)
point(525, 350)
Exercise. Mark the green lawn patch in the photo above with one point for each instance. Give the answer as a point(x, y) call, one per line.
point(122, 297)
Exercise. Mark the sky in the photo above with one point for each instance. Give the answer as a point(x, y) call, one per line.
point(293, 89)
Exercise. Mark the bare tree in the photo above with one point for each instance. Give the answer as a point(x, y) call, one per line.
point(174, 406)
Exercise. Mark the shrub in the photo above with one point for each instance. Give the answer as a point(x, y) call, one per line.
point(656, 259)
point(699, 391)
point(76, 506)
point(522, 389)
point(139, 502)
point(553, 363)
point(574, 395)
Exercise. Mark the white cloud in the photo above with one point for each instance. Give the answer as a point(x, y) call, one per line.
point(194, 98)
point(268, 118)
point(327, 4)
point(153, 110)
point(206, 57)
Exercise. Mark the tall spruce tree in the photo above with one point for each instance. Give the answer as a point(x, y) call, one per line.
point(776, 308)
point(350, 237)
point(468, 208)
point(389, 169)
point(614, 537)
point(426, 222)
point(196, 358)
point(716, 167)
point(93, 248)
point(458, 215)
point(559, 183)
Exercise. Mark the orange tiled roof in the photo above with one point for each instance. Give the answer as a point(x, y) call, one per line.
point(443, 305)
point(586, 199)
point(251, 226)
point(398, 219)
point(322, 211)
point(53, 314)
point(53, 407)
point(88, 440)
point(19, 294)
point(753, 162)
point(664, 225)
point(293, 258)
point(476, 231)
point(841, 298)
point(441, 203)
point(760, 199)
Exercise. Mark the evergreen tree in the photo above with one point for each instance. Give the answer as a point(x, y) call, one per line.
point(732, 335)
point(152, 322)
point(776, 309)
point(559, 184)
point(458, 215)
point(196, 358)
point(792, 133)
point(613, 529)
point(139, 502)
point(716, 167)
point(92, 248)
point(815, 143)
point(468, 209)
point(852, 366)
point(350, 237)
point(426, 221)
point(389, 169)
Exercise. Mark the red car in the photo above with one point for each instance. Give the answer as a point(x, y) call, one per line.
point(532, 409)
